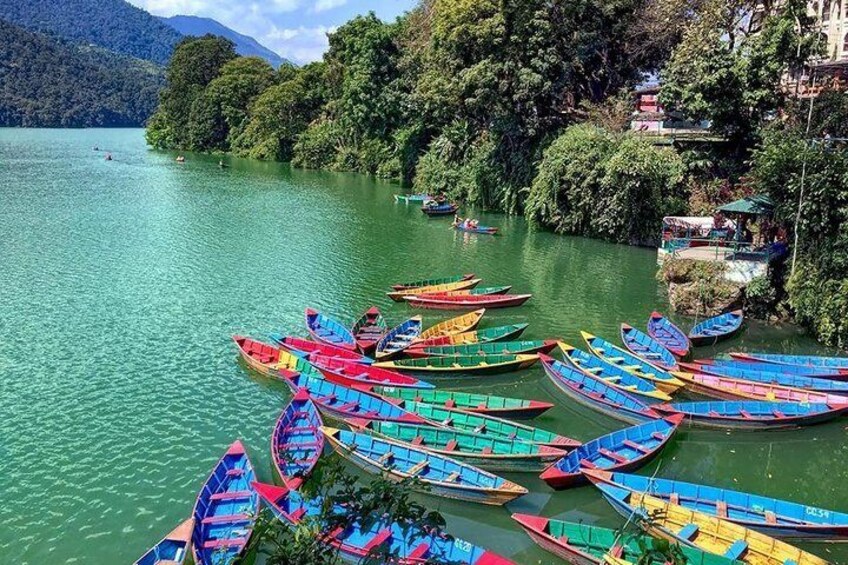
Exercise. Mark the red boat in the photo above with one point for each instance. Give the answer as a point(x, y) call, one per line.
point(464, 302)
point(301, 346)
point(369, 329)
point(349, 373)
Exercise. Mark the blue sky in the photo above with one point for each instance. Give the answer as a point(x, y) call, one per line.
point(296, 29)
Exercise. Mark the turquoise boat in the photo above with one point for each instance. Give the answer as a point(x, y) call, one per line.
point(441, 476)
point(718, 328)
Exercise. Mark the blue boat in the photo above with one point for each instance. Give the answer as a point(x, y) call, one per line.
point(613, 375)
point(297, 441)
point(771, 516)
point(752, 414)
point(615, 355)
point(621, 450)
point(432, 208)
point(356, 541)
point(172, 549)
point(712, 330)
point(225, 511)
point(801, 360)
point(664, 331)
point(398, 338)
point(440, 475)
point(802, 370)
point(645, 347)
point(769, 377)
point(327, 330)
point(596, 394)
point(343, 402)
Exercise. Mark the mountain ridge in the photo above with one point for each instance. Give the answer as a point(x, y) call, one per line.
point(246, 45)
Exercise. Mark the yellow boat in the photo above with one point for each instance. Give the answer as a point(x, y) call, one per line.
point(453, 326)
point(398, 295)
point(708, 533)
point(611, 353)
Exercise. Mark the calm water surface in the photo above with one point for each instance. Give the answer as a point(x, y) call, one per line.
point(121, 283)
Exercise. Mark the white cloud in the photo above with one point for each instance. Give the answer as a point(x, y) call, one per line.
point(324, 5)
point(301, 44)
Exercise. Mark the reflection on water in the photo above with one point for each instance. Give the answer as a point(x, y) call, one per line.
point(122, 282)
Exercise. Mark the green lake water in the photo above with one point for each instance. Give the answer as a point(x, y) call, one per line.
point(121, 283)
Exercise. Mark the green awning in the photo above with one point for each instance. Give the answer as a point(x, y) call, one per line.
point(752, 205)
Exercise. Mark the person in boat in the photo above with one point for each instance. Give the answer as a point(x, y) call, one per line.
point(108, 156)
point(222, 165)
point(457, 221)
point(440, 199)
point(180, 159)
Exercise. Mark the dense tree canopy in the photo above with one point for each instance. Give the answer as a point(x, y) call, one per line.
point(48, 82)
point(113, 24)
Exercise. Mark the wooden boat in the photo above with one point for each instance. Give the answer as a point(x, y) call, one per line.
point(487, 452)
point(715, 329)
point(582, 544)
point(301, 347)
point(439, 209)
point(225, 510)
point(407, 198)
point(839, 363)
point(645, 347)
point(480, 290)
point(398, 338)
point(595, 393)
point(443, 302)
point(503, 407)
point(528, 347)
point(465, 284)
point(357, 542)
point(777, 518)
point(352, 374)
point(272, 361)
point(488, 230)
point(488, 426)
point(499, 333)
point(297, 441)
point(621, 450)
point(368, 330)
point(752, 414)
point(457, 325)
point(675, 523)
point(432, 282)
point(800, 370)
point(172, 549)
point(342, 402)
point(441, 476)
point(769, 377)
point(479, 365)
point(670, 336)
point(614, 355)
point(613, 375)
point(327, 330)
point(733, 389)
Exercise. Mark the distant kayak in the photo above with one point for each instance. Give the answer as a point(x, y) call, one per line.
point(476, 229)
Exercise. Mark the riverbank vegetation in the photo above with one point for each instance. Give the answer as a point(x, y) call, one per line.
point(524, 107)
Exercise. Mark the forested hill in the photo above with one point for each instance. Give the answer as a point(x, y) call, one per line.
point(113, 24)
point(46, 81)
point(245, 45)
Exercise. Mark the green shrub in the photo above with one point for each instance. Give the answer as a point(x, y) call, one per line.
point(316, 147)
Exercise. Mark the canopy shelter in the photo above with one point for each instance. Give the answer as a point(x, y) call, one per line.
point(749, 206)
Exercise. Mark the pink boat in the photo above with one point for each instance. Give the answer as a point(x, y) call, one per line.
point(732, 389)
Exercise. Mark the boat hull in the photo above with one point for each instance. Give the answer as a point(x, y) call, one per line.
point(463, 303)
point(669, 335)
point(699, 338)
point(740, 423)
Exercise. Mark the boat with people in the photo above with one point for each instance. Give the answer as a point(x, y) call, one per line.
point(472, 226)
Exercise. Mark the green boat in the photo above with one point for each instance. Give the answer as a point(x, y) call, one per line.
point(499, 333)
point(478, 364)
point(487, 452)
point(589, 545)
point(526, 347)
point(513, 408)
point(489, 426)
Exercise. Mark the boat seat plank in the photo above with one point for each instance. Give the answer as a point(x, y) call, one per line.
point(636, 446)
point(234, 495)
point(588, 464)
point(451, 445)
point(386, 457)
point(736, 550)
point(228, 518)
point(452, 477)
point(688, 532)
point(658, 436)
point(378, 540)
point(420, 552)
point(224, 542)
point(417, 440)
point(612, 455)
point(418, 467)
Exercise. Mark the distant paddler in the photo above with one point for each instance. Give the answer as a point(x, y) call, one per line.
point(180, 159)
